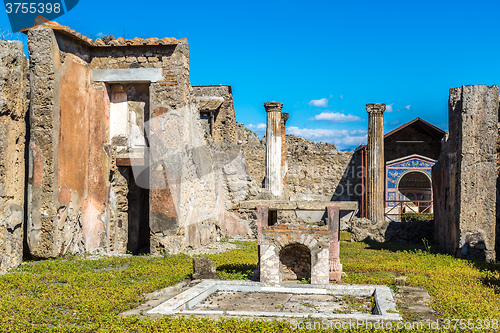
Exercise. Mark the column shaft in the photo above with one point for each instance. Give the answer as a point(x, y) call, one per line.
point(273, 181)
point(375, 162)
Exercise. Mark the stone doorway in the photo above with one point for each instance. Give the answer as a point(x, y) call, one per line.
point(138, 215)
point(295, 262)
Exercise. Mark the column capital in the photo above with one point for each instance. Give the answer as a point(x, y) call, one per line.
point(284, 117)
point(375, 108)
point(273, 106)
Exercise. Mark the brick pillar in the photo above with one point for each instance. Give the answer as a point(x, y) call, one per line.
point(262, 219)
point(273, 181)
point(333, 226)
point(284, 153)
point(375, 186)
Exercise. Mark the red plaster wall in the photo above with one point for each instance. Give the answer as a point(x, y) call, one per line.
point(73, 144)
point(98, 173)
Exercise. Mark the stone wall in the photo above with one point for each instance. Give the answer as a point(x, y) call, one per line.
point(13, 108)
point(225, 119)
point(465, 178)
point(85, 185)
point(363, 230)
point(316, 171)
point(314, 168)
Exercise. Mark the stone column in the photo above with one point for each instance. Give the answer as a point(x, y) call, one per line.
point(273, 181)
point(333, 214)
point(375, 186)
point(284, 153)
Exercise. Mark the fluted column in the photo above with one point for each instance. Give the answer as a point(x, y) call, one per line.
point(375, 186)
point(273, 181)
point(284, 154)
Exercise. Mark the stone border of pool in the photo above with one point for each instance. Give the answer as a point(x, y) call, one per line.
point(385, 306)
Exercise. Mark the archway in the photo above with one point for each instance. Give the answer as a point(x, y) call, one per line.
point(295, 260)
point(415, 186)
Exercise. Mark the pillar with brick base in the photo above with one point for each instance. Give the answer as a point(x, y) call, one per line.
point(333, 214)
point(273, 181)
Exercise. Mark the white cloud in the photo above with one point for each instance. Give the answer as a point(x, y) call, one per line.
point(343, 139)
point(341, 96)
point(99, 35)
point(395, 122)
point(258, 127)
point(335, 117)
point(323, 102)
point(408, 107)
point(388, 107)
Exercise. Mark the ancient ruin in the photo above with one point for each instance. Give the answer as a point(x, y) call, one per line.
point(107, 148)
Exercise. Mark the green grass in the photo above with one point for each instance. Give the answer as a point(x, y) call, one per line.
point(74, 294)
point(345, 236)
point(415, 217)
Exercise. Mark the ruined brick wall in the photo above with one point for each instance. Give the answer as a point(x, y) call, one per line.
point(184, 212)
point(225, 120)
point(13, 107)
point(80, 193)
point(465, 178)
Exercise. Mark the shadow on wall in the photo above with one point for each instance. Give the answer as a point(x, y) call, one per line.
point(350, 187)
point(410, 232)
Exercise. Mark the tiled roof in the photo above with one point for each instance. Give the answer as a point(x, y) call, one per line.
point(99, 42)
point(212, 104)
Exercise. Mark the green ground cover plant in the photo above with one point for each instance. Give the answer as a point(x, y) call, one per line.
point(416, 217)
point(78, 294)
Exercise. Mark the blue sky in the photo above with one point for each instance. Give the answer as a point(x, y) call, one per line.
point(324, 60)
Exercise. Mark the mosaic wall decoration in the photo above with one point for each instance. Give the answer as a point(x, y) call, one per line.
point(396, 170)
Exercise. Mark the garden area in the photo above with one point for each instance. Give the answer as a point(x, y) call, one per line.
point(87, 293)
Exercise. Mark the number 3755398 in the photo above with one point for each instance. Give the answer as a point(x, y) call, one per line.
point(32, 8)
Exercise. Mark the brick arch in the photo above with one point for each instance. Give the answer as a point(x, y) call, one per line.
point(276, 238)
point(295, 262)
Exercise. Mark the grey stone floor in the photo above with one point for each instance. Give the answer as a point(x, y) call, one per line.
point(284, 302)
point(414, 302)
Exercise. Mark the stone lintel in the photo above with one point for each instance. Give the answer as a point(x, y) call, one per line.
point(375, 108)
point(127, 75)
point(299, 205)
point(273, 106)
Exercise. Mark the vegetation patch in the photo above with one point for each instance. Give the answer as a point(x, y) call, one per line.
point(416, 217)
point(75, 294)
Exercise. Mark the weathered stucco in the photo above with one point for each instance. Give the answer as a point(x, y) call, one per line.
point(13, 108)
